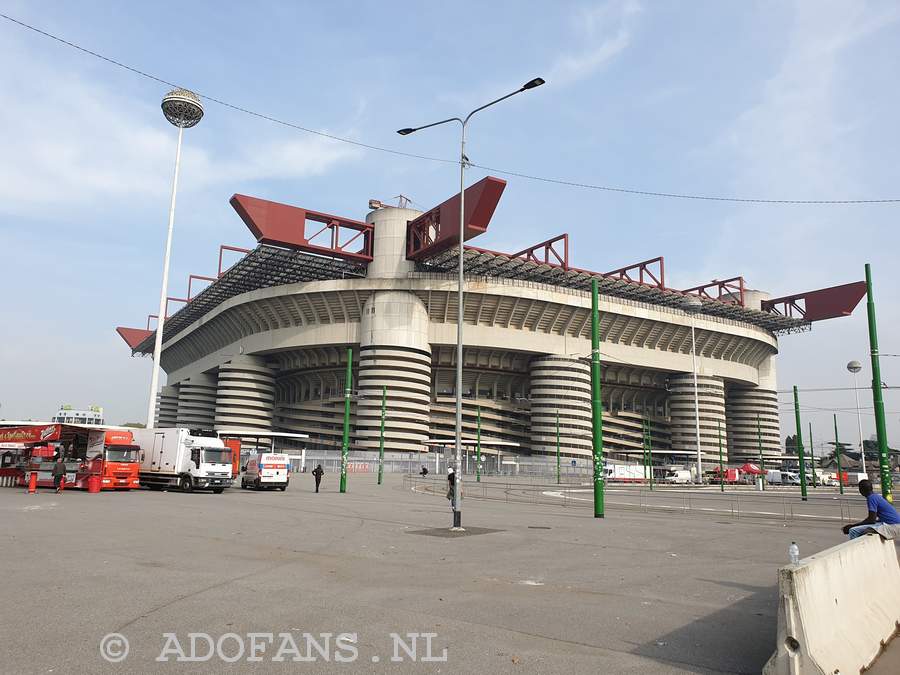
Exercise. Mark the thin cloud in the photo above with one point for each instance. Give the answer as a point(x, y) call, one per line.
point(79, 143)
point(605, 32)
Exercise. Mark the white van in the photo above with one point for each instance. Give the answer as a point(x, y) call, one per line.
point(773, 477)
point(267, 471)
point(678, 477)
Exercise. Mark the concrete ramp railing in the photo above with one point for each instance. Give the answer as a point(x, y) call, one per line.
point(837, 609)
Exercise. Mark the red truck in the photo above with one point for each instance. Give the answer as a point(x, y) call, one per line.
point(109, 454)
point(115, 457)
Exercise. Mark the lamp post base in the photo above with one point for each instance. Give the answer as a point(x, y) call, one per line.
point(457, 522)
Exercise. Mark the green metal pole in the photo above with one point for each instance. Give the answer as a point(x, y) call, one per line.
point(812, 455)
point(644, 449)
point(650, 453)
point(721, 467)
point(381, 435)
point(596, 405)
point(800, 445)
point(557, 447)
point(759, 446)
point(345, 444)
point(837, 453)
point(877, 400)
point(478, 445)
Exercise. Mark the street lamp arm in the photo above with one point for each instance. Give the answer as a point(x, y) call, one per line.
point(488, 105)
point(411, 130)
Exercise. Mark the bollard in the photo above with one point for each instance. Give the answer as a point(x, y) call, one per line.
point(32, 483)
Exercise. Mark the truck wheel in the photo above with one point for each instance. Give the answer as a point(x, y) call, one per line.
point(243, 484)
point(257, 485)
point(218, 491)
point(186, 484)
point(283, 488)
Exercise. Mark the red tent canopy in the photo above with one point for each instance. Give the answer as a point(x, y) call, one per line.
point(752, 468)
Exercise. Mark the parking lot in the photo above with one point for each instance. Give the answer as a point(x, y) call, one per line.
point(533, 587)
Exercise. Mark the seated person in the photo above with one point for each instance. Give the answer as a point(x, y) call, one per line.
point(883, 518)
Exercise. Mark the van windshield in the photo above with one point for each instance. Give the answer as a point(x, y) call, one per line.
point(217, 455)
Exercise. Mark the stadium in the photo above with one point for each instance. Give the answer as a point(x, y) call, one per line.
point(264, 344)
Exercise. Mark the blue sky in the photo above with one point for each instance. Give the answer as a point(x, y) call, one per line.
point(766, 99)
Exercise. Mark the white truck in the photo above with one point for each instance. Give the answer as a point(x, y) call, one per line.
point(189, 459)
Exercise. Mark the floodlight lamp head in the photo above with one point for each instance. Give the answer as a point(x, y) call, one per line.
point(405, 132)
point(691, 303)
point(536, 82)
point(182, 108)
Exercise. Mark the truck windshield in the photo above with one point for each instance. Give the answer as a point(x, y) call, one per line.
point(122, 454)
point(217, 455)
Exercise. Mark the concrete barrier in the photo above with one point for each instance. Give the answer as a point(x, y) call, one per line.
point(837, 609)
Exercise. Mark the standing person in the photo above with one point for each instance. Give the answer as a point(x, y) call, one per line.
point(59, 472)
point(317, 473)
point(882, 519)
point(451, 491)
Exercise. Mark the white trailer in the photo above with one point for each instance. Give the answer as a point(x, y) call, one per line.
point(626, 473)
point(186, 458)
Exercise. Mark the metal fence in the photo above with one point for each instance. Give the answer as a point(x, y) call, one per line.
point(574, 493)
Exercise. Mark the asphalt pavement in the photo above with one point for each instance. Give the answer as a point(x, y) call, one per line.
point(530, 587)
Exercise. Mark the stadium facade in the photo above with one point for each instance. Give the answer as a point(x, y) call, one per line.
point(264, 345)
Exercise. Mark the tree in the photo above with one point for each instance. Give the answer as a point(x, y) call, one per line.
point(790, 444)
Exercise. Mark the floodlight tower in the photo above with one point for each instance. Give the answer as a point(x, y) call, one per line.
point(183, 109)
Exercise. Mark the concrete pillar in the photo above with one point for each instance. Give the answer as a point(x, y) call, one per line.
point(389, 244)
point(563, 384)
point(742, 405)
point(712, 411)
point(245, 395)
point(394, 353)
point(167, 407)
point(197, 402)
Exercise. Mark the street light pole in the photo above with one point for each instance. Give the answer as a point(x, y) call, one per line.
point(345, 441)
point(183, 109)
point(854, 367)
point(693, 304)
point(837, 453)
point(463, 160)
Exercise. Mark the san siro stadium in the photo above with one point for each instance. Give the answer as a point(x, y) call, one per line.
point(264, 345)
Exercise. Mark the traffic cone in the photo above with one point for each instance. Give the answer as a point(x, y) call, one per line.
point(32, 482)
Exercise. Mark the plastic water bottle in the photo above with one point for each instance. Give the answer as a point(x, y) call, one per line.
point(794, 553)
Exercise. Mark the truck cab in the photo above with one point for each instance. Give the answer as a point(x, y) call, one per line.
point(185, 458)
point(114, 457)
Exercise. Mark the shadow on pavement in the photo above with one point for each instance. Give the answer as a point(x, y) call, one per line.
point(739, 638)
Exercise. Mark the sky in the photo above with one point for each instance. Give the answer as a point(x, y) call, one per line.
point(773, 100)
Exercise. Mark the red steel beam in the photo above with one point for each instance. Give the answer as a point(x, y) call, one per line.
point(224, 248)
point(199, 277)
point(825, 303)
point(546, 253)
point(438, 229)
point(285, 225)
point(645, 273)
point(729, 290)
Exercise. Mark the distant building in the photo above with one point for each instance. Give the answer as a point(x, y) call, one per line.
point(68, 415)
